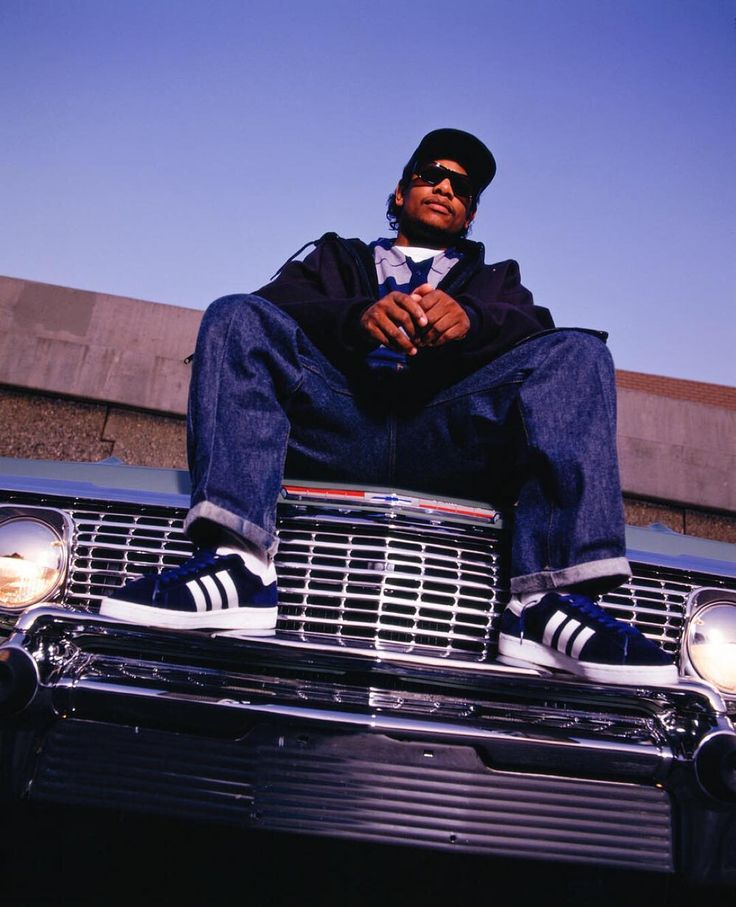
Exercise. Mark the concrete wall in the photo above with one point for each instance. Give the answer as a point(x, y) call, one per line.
point(94, 346)
point(86, 375)
point(677, 450)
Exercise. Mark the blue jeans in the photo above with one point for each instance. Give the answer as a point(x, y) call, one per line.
point(533, 430)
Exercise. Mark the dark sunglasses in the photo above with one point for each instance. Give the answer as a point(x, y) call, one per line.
point(433, 174)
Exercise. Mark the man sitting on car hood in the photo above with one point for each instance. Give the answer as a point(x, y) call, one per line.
point(409, 362)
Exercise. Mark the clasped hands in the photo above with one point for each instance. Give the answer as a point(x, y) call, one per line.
point(409, 322)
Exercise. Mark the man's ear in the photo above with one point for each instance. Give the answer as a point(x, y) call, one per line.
point(469, 220)
point(399, 195)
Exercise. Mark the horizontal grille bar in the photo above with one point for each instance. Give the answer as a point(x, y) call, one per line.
point(356, 787)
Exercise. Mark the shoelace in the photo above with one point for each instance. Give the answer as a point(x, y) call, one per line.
point(598, 615)
point(194, 565)
point(605, 620)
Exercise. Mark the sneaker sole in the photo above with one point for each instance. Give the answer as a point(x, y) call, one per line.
point(241, 618)
point(526, 653)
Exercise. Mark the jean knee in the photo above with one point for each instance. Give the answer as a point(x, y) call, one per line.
point(240, 304)
point(219, 313)
point(585, 349)
point(249, 314)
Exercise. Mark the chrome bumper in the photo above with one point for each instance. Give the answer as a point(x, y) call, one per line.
point(304, 736)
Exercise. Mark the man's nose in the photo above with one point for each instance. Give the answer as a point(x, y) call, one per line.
point(445, 188)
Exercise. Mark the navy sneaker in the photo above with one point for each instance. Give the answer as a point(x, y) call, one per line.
point(571, 633)
point(208, 591)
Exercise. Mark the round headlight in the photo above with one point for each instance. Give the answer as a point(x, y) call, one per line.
point(32, 558)
point(711, 644)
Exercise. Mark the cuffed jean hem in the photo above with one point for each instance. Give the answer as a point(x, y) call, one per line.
point(616, 570)
point(206, 510)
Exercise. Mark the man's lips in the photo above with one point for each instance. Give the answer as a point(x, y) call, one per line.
point(433, 203)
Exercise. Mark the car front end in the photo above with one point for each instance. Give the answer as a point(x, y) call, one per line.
point(378, 709)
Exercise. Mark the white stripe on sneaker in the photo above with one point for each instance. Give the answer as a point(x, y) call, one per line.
point(213, 592)
point(567, 631)
point(200, 602)
point(552, 624)
point(582, 637)
point(229, 586)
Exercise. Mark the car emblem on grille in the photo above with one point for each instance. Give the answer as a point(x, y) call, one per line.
point(380, 566)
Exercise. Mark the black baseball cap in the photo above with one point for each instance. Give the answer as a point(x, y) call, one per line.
point(454, 145)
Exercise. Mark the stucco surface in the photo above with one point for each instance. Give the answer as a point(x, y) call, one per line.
point(147, 439)
point(49, 428)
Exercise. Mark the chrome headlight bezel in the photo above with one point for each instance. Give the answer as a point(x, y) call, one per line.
point(705, 605)
point(40, 525)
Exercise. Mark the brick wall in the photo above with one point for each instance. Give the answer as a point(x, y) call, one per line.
point(678, 389)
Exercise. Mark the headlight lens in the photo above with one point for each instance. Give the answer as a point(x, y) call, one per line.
point(711, 643)
point(32, 559)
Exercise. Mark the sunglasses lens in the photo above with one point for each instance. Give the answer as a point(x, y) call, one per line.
point(461, 185)
point(434, 174)
point(430, 174)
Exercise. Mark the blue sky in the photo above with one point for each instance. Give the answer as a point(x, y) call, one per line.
point(178, 150)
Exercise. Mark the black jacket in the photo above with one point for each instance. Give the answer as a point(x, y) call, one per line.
point(328, 291)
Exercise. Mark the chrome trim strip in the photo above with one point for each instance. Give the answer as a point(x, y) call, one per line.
point(87, 491)
point(387, 655)
point(374, 720)
point(28, 619)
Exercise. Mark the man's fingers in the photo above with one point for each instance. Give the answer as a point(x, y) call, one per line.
point(412, 305)
point(391, 334)
point(451, 326)
point(398, 340)
point(409, 314)
point(424, 318)
point(385, 339)
point(395, 315)
point(435, 302)
point(404, 310)
point(454, 332)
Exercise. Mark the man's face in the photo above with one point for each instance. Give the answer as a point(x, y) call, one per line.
point(432, 214)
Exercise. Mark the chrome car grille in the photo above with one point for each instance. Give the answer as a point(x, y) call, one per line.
point(373, 576)
point(393, 580)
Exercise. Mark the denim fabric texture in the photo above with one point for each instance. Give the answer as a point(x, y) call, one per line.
point(533, 431)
